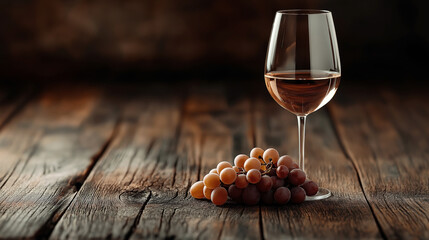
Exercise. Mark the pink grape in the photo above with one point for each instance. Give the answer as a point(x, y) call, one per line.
point(257, 153)
point(253, 176)
point(285, 160)
point(240, 159)
point(271, 155)
point(219, 196)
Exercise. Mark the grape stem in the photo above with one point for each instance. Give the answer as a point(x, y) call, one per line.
point(267, 170)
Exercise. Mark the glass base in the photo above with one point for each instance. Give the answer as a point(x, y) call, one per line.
point(323, 193)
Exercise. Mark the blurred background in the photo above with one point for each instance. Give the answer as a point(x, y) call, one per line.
point(167, 40)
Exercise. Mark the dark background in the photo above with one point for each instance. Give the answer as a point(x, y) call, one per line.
point(168, 40)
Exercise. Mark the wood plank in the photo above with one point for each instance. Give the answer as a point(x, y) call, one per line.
point(215, 128)
point(118, 188)
point(345, 215)
point(386, 136)
point(140, 189)
point(45, 153)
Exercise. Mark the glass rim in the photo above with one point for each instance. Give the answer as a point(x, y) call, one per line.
point(303, 11)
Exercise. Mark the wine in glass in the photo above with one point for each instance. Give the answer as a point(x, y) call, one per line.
point(302, 68)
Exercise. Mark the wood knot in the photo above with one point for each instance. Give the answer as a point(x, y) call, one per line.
point(134, 196)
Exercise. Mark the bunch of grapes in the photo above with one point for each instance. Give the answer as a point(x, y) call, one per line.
point(263, 177)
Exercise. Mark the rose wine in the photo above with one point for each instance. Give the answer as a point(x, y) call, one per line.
point(302, 92)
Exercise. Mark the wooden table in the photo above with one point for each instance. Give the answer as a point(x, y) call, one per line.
point(116, 162)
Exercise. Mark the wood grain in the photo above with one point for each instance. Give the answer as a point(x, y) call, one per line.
point(386, 137)
point(215, 128)
point(346, 213)
point(140, 188)
point(117, 163)
point(118, 188)
point(45, 153)
point(12, 101)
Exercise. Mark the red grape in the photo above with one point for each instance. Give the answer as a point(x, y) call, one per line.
point(241, 181)
point(297, 195)
point(268, 197)
point(296, 177)
point(282, 171)
point(282, 195)
point(251, 195)
point(277, 182)
point(265, 184)
point(235, 193)
point(310, 188)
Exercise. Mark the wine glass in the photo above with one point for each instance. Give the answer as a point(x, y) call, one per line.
point(302, 68)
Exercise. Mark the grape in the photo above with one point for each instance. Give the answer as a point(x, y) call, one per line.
point(212, 180)
point(293, 166)
point(285, 160)
point(277, 182)
point(222, 165)
point(271, 155)
point(197, 190)
point(228, 176)
point(257, 152)
point(240, 159)
point(265, 184)
point(296, 177)
point(214, 170)
point(297, 195)
point(282, 171)
point(235, 193)
point(252, 163)
point(282, 195)
point(219, 196)
point(241, 181)
point(253, 176)
point(236, 169)
point(310, 188)
point(268, 197)
point(251, 195)
point(207, 192)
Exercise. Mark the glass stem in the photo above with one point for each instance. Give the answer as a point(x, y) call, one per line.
point(301, 138)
